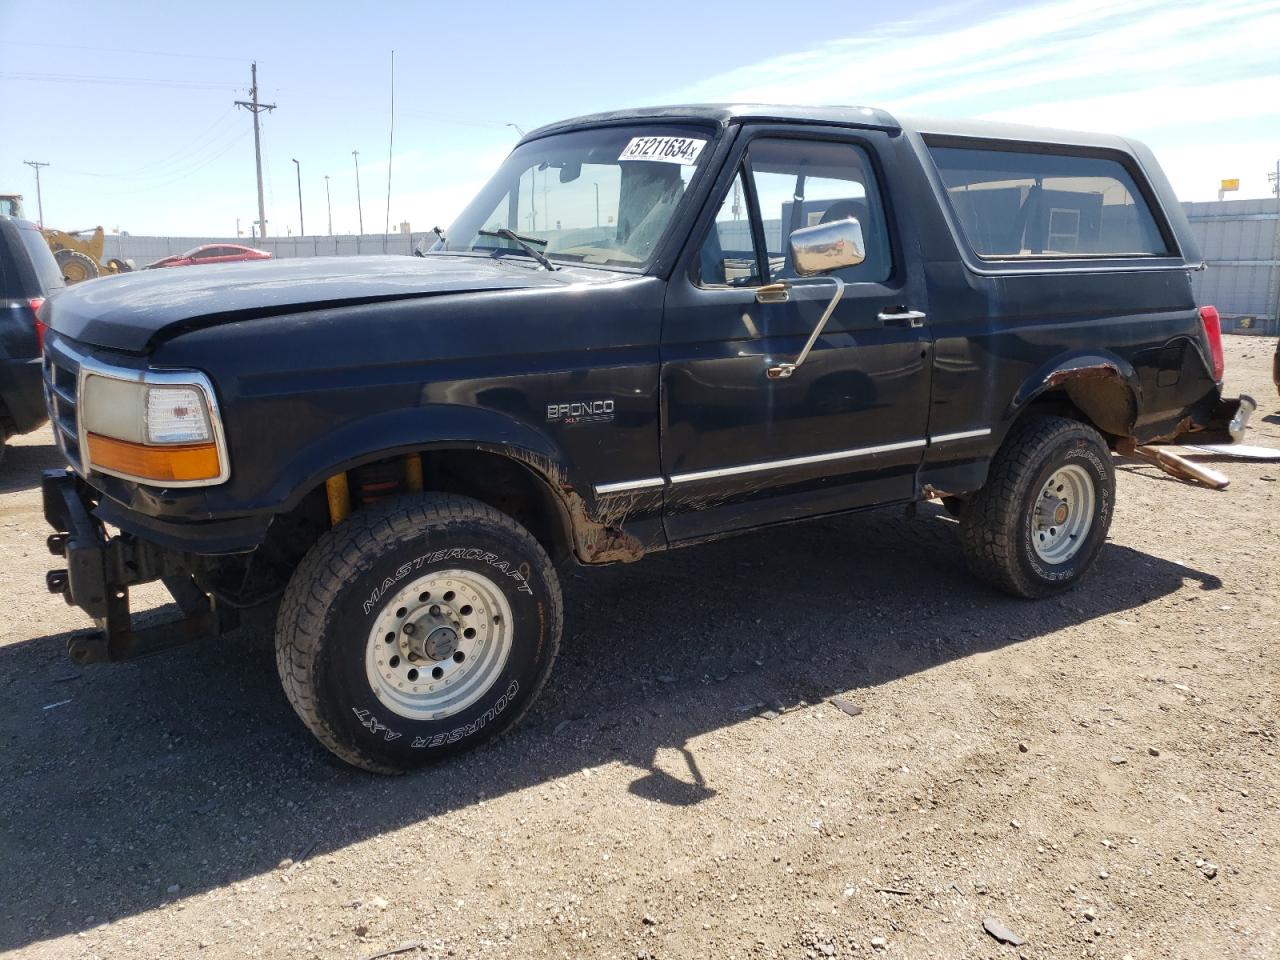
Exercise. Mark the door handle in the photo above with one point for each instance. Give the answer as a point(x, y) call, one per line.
point(906, 318)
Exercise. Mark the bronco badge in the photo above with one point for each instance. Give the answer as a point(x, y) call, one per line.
point(586, 411)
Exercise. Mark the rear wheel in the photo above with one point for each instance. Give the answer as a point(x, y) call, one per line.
point(1036, 527)
point(417, 629)
point(76, 266)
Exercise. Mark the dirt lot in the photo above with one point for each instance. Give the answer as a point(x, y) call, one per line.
point(1097, 772)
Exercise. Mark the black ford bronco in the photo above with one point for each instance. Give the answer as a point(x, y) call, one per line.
point(651, 328)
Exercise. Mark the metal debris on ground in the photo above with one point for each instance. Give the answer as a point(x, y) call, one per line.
point(405, 947)
point(1233, 451)
point(1001, 932)
point(846, 706)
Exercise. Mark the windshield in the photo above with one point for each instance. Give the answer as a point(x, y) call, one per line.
point(597, 197)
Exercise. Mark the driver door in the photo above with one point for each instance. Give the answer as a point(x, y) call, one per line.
point(848, 428)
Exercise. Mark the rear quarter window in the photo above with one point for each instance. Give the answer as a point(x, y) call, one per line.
point(1014, 205)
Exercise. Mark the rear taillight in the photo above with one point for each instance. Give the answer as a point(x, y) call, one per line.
point(1213, 333)
point(36, 303)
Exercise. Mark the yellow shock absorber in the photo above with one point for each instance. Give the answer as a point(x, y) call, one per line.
point(339, 493)
point(413, 473)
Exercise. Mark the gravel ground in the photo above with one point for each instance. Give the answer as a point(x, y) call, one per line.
point(1097, 772)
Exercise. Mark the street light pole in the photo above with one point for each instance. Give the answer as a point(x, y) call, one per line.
point(36, 165)
point(517, 129)
point(359, 203)
point(328, 203)
point(302, 225)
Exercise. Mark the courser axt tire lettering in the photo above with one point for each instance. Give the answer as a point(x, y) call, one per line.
point(417, 628)
point(1037, 525)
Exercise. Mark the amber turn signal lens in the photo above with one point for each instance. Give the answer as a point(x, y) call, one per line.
point(179, 461)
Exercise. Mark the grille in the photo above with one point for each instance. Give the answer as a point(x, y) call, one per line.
point(61, 383)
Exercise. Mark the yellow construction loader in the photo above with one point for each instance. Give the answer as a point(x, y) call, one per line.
point(79, 253)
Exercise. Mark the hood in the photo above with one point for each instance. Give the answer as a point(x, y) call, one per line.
point(126, 312)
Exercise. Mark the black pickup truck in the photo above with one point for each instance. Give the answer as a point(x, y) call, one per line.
point(651, 328)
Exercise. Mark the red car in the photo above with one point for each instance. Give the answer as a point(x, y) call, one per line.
point(211, 253)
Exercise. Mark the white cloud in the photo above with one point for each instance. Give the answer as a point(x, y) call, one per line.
point(1166, 72)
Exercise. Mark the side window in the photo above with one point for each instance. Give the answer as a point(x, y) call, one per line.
point(801, 183)
point(1017, 205)
point(728, 255)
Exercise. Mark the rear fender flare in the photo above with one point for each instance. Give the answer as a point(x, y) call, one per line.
point(1103, 386)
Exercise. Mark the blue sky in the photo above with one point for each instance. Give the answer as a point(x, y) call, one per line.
point(131, 103)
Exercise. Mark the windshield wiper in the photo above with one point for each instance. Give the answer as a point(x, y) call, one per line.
point(526, 244)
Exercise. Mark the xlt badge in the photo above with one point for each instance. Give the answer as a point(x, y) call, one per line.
point(586, 411)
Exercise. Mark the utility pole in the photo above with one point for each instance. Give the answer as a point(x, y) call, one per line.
point(328, 204)
point(256, 108)
point(359, 202)
point(302, 226)
point(391, 142)
point(1273, 293)
point(36, 165)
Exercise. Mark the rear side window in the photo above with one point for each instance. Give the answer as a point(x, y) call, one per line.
point(1019, 205)
point(48, 273)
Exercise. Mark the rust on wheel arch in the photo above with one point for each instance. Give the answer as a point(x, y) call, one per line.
point(1101, 392)
point(596, 539)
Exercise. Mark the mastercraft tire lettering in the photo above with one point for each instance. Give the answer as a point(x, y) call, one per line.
point(418, 628)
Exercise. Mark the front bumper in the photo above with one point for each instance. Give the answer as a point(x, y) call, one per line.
point(100, 569)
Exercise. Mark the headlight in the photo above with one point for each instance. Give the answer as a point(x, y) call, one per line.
point(157, 428)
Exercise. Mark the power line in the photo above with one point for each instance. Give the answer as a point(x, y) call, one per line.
point(459, 121)
point(212, 139)
point(185, 174)
point(120, 81)
point(141, 53)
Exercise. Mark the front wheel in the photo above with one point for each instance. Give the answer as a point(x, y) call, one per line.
point(1037, 525)
point(417, 629)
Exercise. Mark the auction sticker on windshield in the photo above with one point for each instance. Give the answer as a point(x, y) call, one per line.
point(683, 150)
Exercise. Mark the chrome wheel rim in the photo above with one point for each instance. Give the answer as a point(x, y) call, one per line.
point(1063, 514)
point(439, 643)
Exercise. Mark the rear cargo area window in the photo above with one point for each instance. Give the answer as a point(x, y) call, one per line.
point(1015, 205)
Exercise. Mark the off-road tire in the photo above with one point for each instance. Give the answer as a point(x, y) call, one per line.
point(347, 580)
point(76, 266)
point(996, 527)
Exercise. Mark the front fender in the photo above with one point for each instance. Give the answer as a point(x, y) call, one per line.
point(440, 427)
point(432, 426)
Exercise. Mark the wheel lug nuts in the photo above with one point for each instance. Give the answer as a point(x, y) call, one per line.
point(410, 629)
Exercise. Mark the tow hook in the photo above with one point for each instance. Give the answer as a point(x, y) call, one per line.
point(1240, 422)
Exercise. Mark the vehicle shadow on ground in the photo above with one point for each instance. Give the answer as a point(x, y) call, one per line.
point(22, 464)
point(190, 768)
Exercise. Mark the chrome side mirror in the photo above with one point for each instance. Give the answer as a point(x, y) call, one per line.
point(827, 246)
point(816, 250)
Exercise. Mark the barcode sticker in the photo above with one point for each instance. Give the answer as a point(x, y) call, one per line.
point(682, 150)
